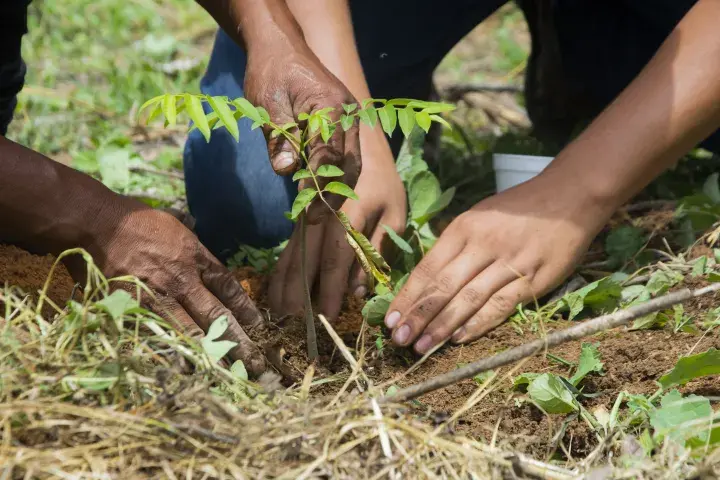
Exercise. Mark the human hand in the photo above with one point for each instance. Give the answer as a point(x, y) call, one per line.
point(288, 79)
point(330, 260)
point(506, 250)
point(191, 286)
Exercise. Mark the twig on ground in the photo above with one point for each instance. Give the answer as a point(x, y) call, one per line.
point(454, 92)
point(649, 205)
point(584, 329)
point(170, 174)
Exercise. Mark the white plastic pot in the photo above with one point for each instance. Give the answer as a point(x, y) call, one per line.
point(511, 170)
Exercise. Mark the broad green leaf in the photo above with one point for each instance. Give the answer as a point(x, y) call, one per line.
point(326, 130)
point(694, 366)
point(548, 391)
point(623, 243)
point(157, 110)
point(303, 116)
point(197, 115)
point(676, 415)
point(248, 109)
point(314, 123)
point(152, 102)
point(398, 240)
point(239, 371)
point(600, 295)
point(649, 322)
point(392, 390)
point(410, 159)
point(483, 377)
point(423, 120)
point(339, 188)
point(346, 121)
point(118, 303)
point(440, 120)
point(303, 199)
point(375, 309)
point(522, 381)
point(329, 171)
point(388, 119)
point(226, 116)
point(406, 117)
point(423, 192)
point(661, 281)
point(301, 174)
point(349, 108)
point(369, 116)
point(438, 206)
point(169, 110)
point(217, 349)
point(114, 167)
point(589, 361)
point(711, 189)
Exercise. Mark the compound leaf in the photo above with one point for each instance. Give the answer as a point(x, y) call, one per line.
point(226, 116)
point(197, 115)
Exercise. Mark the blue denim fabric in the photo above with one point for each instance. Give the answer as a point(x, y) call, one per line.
point(233, 192)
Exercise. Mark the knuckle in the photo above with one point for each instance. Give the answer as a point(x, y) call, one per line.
point(471, 296)
point(501, 303)
point(424, 270)
point(443, 284)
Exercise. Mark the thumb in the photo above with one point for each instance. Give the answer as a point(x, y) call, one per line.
point(284, 158)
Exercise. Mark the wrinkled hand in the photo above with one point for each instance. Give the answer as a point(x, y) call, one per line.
point(191, 285)
point(287, 81)
point(505, 251)
point(330, 260)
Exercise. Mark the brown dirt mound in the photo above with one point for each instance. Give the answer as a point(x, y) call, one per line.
point(28, 272)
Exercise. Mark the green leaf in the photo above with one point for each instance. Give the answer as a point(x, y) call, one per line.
point(157, 110)
point(117, 304)
point(217, 349)
point(711, 189)
point(326, 130)
point(226, 116)
point(392, 390)
point(349, 108)
point(440, 120)
point(423, 192)
point(169, 109)
point(314, 123)
point(369, 116)
point(398, 240)
point(303, 199)
point(548, 391)
point(589, 361)
point(339, 188)
point(692, 367)
point(388, 119)
point(406, 117)
point(239, 371)
point(700, 266)
point(375, 309)
point(329, 171)
point(483, 377)
point(600, 295)
point(623, 243)
point(301, 174)
point(438, 206)
point(661, 281)
point(423, 120)
point(673, 418)
point(114, 167)
point(153, 102)
point(346, 122)
point(197, 115)
point(248, 110)
point(522, 381)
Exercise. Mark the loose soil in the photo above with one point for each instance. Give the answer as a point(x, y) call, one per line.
point(633, 362)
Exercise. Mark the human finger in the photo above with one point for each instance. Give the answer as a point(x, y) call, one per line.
point(466, 302)
point(496, 310)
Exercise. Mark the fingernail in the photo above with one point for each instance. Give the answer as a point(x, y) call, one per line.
point(458, 335)
point(283, 160)
point(392, 319)
point(360, 292)
point(402, 335)
point(424, 344)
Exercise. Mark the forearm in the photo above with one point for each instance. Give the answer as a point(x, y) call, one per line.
point(668, 109)
point(48, 207)
point(321, 20)
point(253, 23)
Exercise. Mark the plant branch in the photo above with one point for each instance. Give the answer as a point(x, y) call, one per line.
point(584, 329)
point(309, 316)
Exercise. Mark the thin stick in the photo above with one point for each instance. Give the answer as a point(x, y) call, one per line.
point(589, 327)
point(312, 346)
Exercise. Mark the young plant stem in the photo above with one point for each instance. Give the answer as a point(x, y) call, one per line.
point(312, 346)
